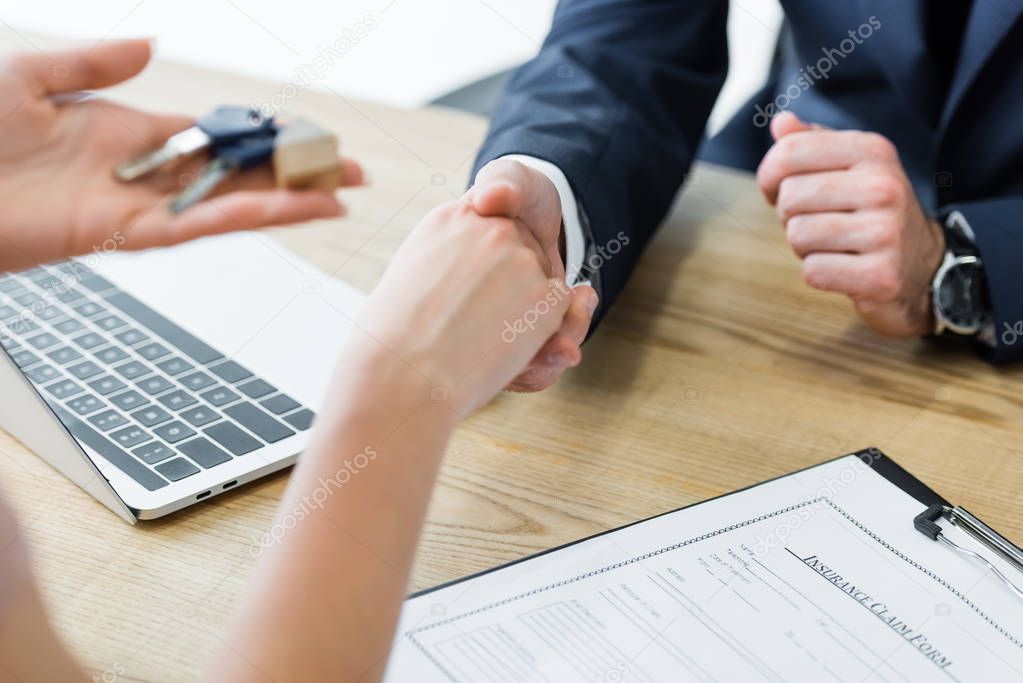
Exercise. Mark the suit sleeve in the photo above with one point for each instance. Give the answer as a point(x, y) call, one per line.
point(618, 99)
point(997, 226)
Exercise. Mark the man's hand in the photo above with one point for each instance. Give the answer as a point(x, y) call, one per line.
point(512, 190)
point(851, 214)
point(461, 282)
point(57, 190)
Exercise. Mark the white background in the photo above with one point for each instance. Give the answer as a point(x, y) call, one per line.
point(417, 50)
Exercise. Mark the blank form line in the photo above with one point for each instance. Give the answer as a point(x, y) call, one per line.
point(533, 624)
point(839, 624)
point(780, 594)
point(604, 657)
point(498, 660)
point(668, 646)
point(585, 625)
point(749, 657)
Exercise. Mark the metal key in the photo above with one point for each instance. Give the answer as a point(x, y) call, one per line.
point(222, 126)
point(241, 155)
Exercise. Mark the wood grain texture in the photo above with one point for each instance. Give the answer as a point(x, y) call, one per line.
point(717, 369)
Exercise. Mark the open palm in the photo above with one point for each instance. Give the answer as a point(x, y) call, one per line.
point(56, 159)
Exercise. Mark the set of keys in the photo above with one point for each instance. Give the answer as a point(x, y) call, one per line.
point(239, 138)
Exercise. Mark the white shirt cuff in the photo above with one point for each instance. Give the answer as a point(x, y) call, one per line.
point(575, 241)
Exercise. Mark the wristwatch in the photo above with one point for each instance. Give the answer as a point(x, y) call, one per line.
point(959, 291)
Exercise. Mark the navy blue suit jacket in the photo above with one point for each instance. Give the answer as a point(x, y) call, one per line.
point(619, 95)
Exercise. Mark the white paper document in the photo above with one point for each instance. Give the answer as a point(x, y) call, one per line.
point(816, 576)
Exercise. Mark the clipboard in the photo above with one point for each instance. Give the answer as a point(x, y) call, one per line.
point(935, 507)
point(613, 583)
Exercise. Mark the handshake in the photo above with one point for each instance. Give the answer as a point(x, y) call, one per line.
point(475, 300)
point(471, 269)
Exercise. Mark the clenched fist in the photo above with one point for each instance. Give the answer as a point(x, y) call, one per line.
point(851, 215)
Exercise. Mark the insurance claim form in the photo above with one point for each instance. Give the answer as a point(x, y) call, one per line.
point(816, 576)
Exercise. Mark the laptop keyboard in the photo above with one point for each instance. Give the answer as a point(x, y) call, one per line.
point(154, 400)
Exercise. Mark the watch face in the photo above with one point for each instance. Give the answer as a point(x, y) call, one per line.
point(962, 298)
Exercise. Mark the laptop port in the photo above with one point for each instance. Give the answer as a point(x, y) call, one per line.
point(203, 495)
point(229, 484)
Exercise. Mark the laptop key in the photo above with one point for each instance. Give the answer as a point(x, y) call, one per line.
point(204, 452)
point(22, 326)
point(197, 417)
point(218, 396)
point(45, 279)
point(130, 436)
point(129, 400)
point(24, 358)
point(280, 404)
point(176, 400)
point(85, 370)
point(174, 366)
point(49, 313)
point(43, 341)
point(68, 296)
point(83, 405)
point(131, 370)
point(43, 374)
point(152, 351)
point(197, 381)
point(301, 420)
point(64, 389)
point(89, 309)
point(177, 469)
point(7, 312)
point(154, 385)
point(110, 451)
point(230, 372)
point(27, 299)
point(69, 326)
point(188, 344)
point(110, 355)
point(232, 438)
point(151, 416)
point(108, 420)
point(107, 385)
point(257, 388)
point(131, 337)
point(90, 340)
point(109, 322)
point(172, 432)
point(153, 452)
point(64, 355)
point(258, 422)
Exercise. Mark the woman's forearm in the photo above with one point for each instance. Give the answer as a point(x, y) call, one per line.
point(326, 597)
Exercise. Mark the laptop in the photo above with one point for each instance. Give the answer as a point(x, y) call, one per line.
point(155, 380)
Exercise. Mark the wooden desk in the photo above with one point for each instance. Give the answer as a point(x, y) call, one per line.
point(717, 369)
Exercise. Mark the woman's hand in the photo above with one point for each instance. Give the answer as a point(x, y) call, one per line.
point(57, 190)
point(463, 306)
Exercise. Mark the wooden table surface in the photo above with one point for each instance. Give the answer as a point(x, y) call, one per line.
point(717, 368)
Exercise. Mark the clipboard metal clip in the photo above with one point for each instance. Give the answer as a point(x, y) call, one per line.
point(927, 524)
